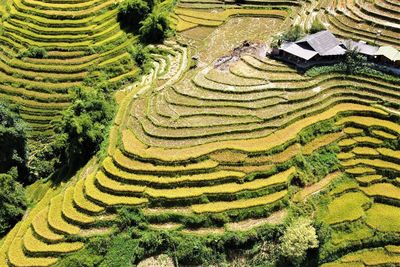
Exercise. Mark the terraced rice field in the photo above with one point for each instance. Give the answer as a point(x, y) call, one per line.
point(372, 21)
point(79, 37)
point(204, 141)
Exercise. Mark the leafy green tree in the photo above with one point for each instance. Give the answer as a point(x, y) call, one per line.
point(12, 202)
point(13, 141)
point(293, 34)
point(84, 124)
point(317, 26)
point(298, 237)
point(355, 63)
point(155, 27)
point(132, 12)
point(48, 158)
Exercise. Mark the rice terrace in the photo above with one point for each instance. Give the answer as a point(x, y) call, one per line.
point(199, 133)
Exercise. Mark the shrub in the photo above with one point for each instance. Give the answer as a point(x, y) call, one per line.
point(128, 217)
point(33, 52)
point(316, 166)
point(298, 237)
point(142, 57)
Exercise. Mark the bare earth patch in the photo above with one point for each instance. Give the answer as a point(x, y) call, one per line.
point(315, 188)
point(157, 261)
point(274, 218)
point(165, 226)
point(204, 231)
point(96, 231)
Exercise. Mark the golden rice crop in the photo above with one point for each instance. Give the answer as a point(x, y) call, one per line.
point(320, 142)
point(17, 257)
point(56, 220)
point(368, 139)
point(384, 134)
point(360, 170)
point(389, 152)
point(228, 188)
point(363, 150)
point(352, 130)
point(343, 156)
point(81, 201)
point(108, 199)
point(135, 147)
point(239, 204)
point(136, 165)
point(34, 245)
point(347, 207)
point(372, 257)
point(393, 249)
point(346, 142)
point(110, 168)
point(369, 178)
point(383, 190)
point(376, 163)
point(371, 121)
point(385, 218)
point(70, 211)
point(41, 227)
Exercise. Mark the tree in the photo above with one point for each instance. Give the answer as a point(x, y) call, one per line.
point(317, 26)
point(132, 12)
point(13, 141)
point(298, 237)
point(293, 34)
point(12, 202)
point(84, 123)
point(155, 27)
point(354, 62)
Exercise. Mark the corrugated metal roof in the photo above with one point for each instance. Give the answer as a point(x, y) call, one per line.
point(389, 52)
point(324, 43)
point(361, 47)
point(335, 51)
point(294, 49)
point(321, 41)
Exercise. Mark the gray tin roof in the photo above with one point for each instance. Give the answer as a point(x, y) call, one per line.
point(295, 49)
point(321, 42)
point(360, 47)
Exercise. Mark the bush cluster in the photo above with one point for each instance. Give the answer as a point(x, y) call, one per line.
point(33, 52)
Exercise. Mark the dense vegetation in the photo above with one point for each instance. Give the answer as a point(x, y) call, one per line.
point(13, 138)
point(149, 19)
point(12, 202)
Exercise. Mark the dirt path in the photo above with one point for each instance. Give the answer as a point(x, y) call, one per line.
point(274, 218)
point(315, 188)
